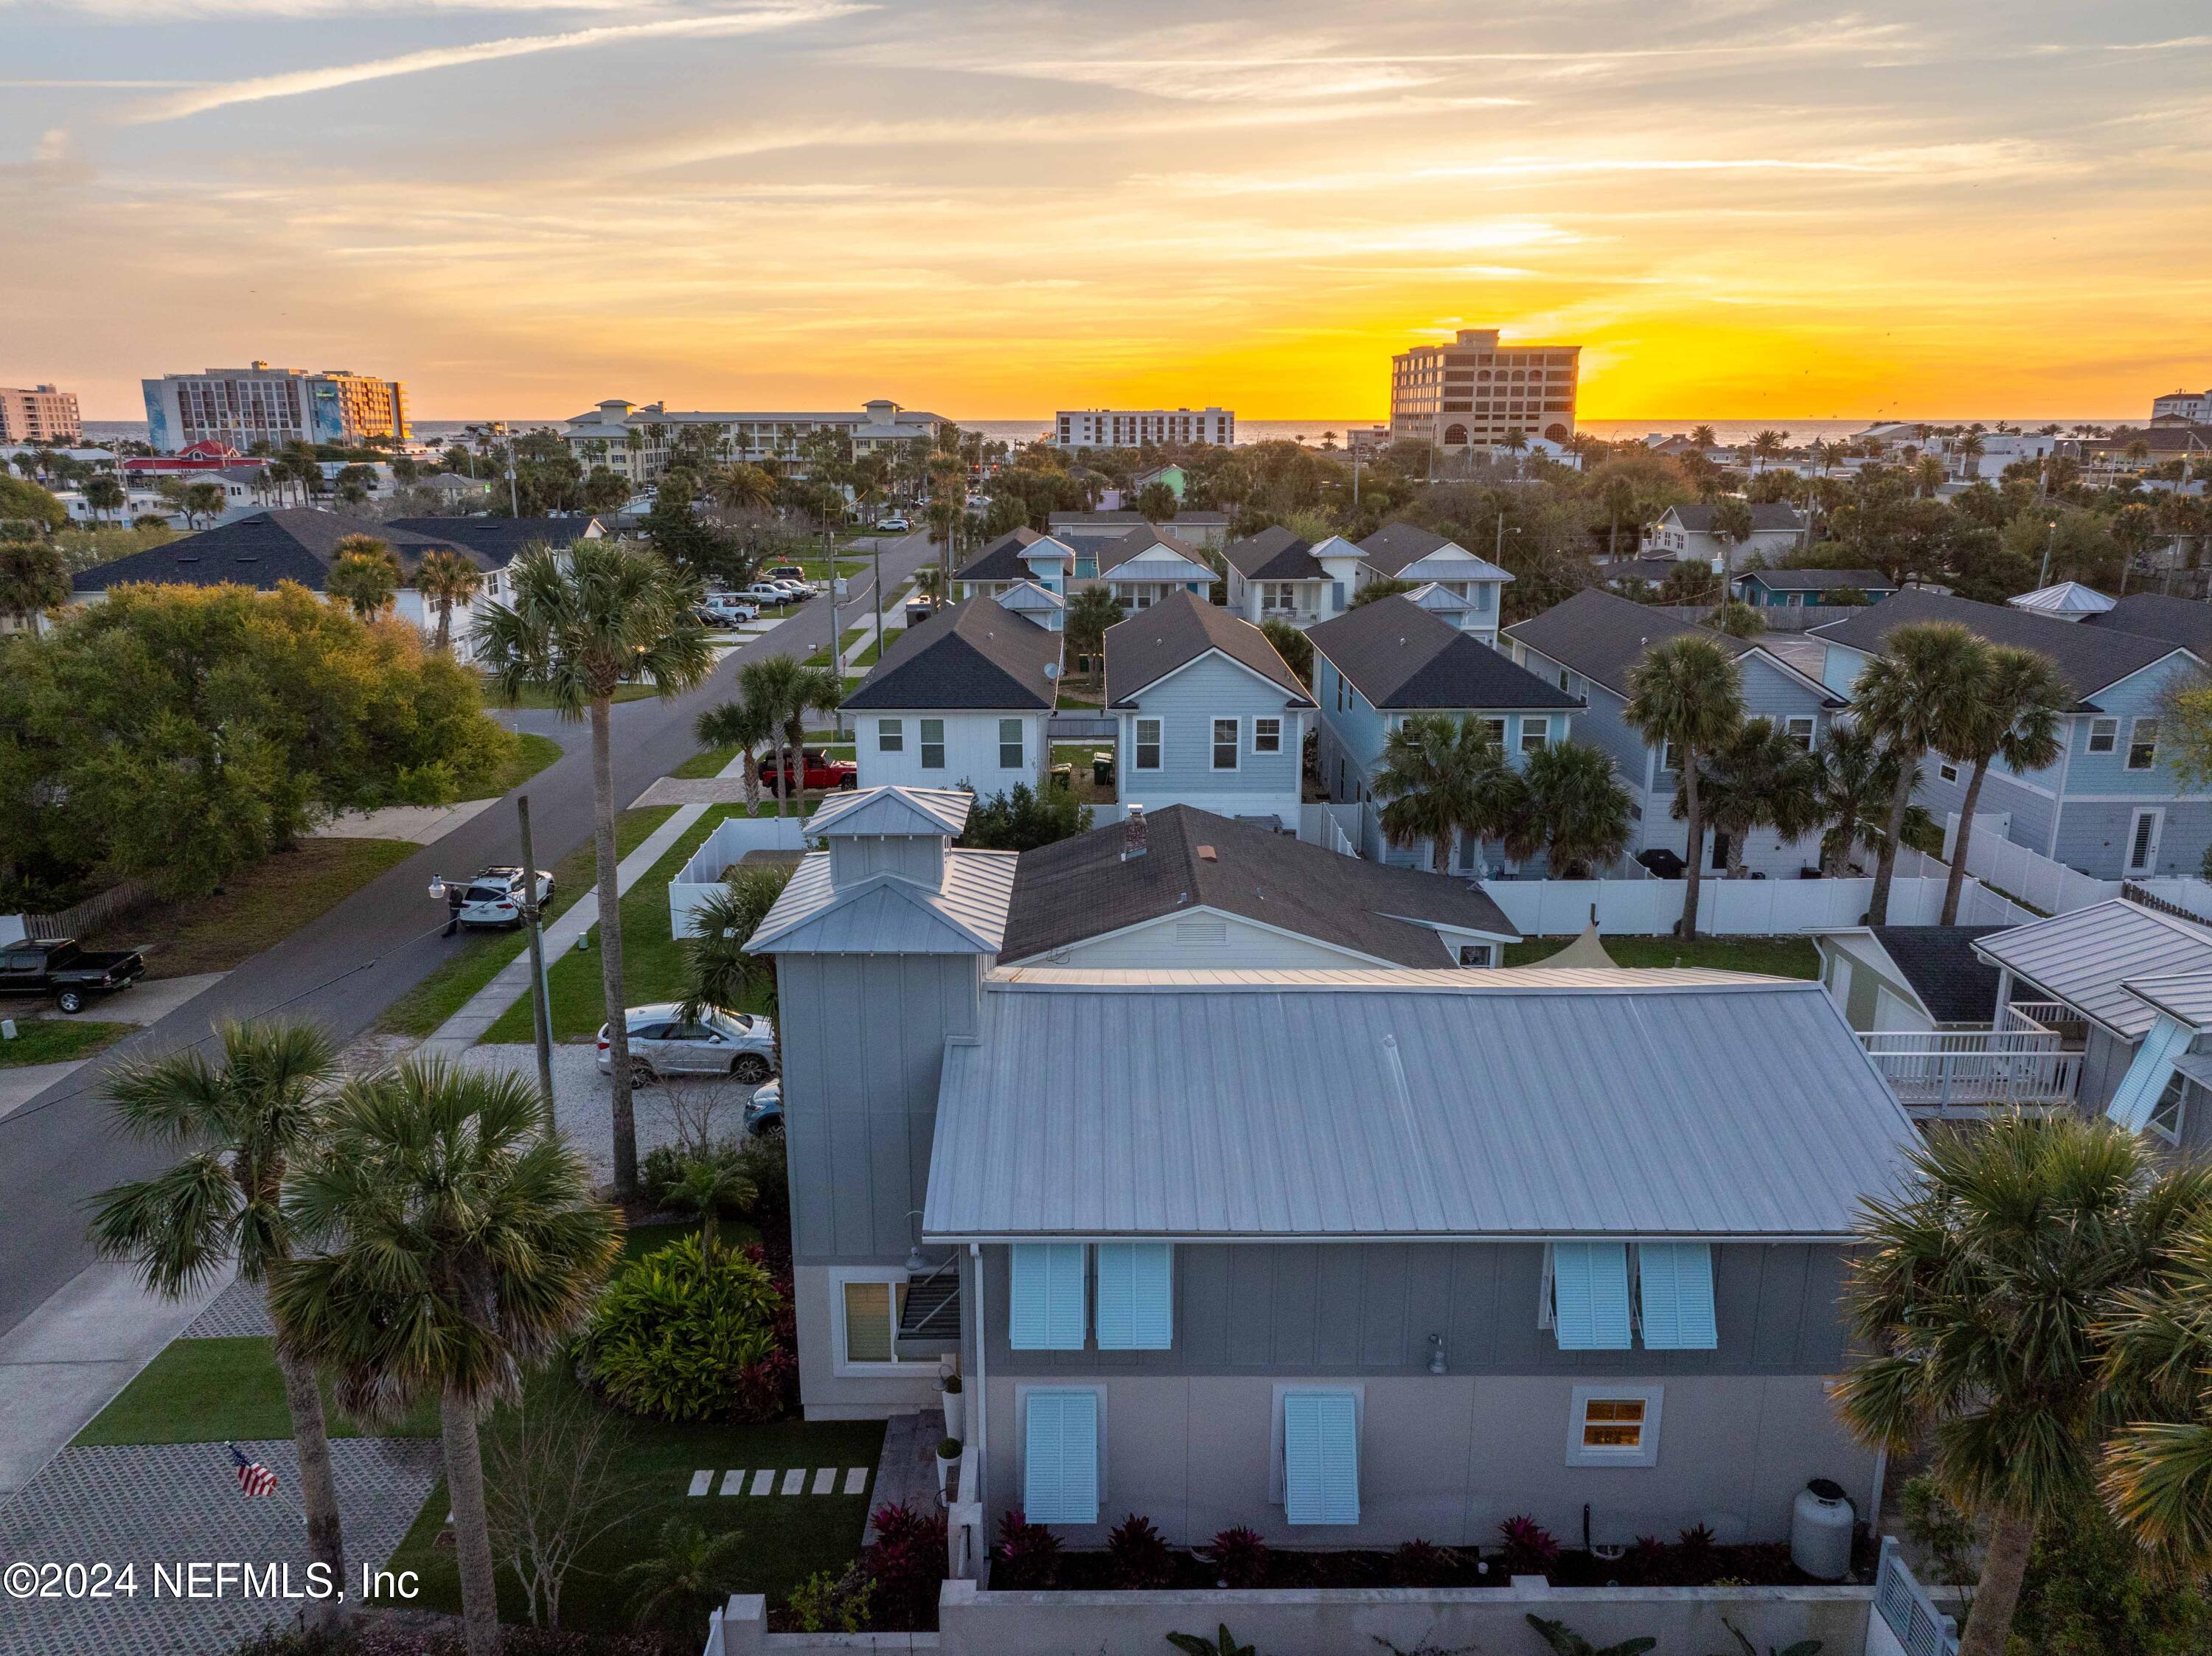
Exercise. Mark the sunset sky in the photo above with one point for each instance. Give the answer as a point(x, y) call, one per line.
point(517, 207)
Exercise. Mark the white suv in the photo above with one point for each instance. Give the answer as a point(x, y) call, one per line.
point(494, 897)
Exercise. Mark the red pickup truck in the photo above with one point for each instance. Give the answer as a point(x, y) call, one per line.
point(818, 773)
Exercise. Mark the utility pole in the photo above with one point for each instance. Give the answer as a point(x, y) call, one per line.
point(2050, 545)
point(540, 1005)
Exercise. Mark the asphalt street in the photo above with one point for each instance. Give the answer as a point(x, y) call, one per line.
point(60, 1149)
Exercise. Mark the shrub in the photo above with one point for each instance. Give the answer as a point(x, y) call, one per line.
point(762, 1161)
point(1695, 1554)
point(906, 1564)
point(1239, 1558)
point(1419, 1564)
point(1028, 1554)
point(1645, 1563)
point(1137, 1559)
point(824, 1603)
point(1022, 819)
point(1530, 1549)
point(674, 1337)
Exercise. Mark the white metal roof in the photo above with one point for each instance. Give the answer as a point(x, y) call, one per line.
point(2087, 958)
point(2185, 996)
point(886, 914)
point(896, 810)
point(2068, 598)
point(1409, 1104)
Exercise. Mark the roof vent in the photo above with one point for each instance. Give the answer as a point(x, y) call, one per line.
point(1209, 854)
point(1132, 834)
point(1052, 670)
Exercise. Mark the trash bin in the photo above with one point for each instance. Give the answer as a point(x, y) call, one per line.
point(1101, 768)
point(1063, 776)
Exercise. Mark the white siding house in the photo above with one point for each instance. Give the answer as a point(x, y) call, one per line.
point(960, 701)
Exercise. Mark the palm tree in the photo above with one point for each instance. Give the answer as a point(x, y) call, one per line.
point(2015, 719)
point(1929, 474)
point(1573, 809)
point(747, 726)
point(445, 578)
point(711, 1186)
point(1441, 778)
point(33, 581)
point(1856, 778)
point(2158, 1468)
point(1088, 614)
point(464, 1245)
point(814, 689)
point(720, 969)
point(1767, 445)
point(1686, 695)
point(364, 575)
point(1617, 494)
point(246, 1124)
point(584, 620)
point(742, 487)
point(680, 1585)
point(1732, 526)
point(1515, 441)
point(768, 694)
point(1702, 437)
point(1976, 1298)
point(1757, 778)
point(104, 494)
point(1920, 692)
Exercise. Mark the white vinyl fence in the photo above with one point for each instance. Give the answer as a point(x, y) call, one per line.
point(702, 877)
point(2052, 885)
point(1761, 908)
point(1337, 826)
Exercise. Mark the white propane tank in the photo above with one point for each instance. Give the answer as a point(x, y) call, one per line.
point(1820, 1531)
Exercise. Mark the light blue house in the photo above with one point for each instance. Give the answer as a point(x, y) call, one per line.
point(1811, 589)
point(2111, 805)
point(1020, 554)
point(1210, 715)
point(1145, 566)
point(1588, 645)
point(1404, 552)
point(1379, 663)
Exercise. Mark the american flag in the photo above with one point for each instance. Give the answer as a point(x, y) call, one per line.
point(253, 1478)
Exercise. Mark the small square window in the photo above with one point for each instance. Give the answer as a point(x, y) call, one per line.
point(1010, 744)
point(932, 744)
point(890, 736)
point(2104, 735)
point(1800, 728)
point(1224, 744)
point(1948, 771)
point(1267, 736)
point(1535, 733)
point(1613, 1426)
point(2142, 745)
point(1148, 744)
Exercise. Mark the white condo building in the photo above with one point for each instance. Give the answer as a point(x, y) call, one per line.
point(636, 442)
point(1133, 427)
point(2194, 406)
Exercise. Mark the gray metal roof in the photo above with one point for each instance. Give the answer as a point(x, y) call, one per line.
point(1409, 1105)
point(1177, 631)
point(897, 809)
point(2088, 658)
point(2087, 958)
point(1138, 541)
point(2185, 996)
point(886, 914)
point(1399, 656)
point(972, 655)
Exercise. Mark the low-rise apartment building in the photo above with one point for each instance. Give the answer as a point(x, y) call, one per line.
point(1134, 427)
point(636, 443)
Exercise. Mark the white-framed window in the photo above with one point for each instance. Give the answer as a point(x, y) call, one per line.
point(2166, 1115)
point(1535, 734)
point(1798, 727)
point(2142, 745)
point(1279, 595)
point(865, 1300)
point(890, 736)
point(1148, 744)
point(2104, 735)
point(1947, 770)
point(1010, 744)
point(1224, 744)
point(1670, 757)
point(1495, 727)
point(2143, 831)
point(1267, 736)
point(1475, 954)
point(1563, 678)
point(932, 744)
point(1613, 1426)
point(1312, 1465)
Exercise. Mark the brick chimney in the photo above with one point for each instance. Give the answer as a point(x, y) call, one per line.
point(1132, 834)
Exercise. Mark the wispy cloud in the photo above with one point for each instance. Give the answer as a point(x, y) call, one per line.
point(92, 85)
point(302, 82)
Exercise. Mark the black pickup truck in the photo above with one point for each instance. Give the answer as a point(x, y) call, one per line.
point(57, 967)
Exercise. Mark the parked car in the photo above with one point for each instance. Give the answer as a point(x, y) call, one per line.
point(764, 1109)
point(897, 523)
point(818, 773)
point(664, 1042)
point(765, 595)
point(494, 897)
point(790, 575)
point(720, 610)
point(799, 590)
point(57, 967)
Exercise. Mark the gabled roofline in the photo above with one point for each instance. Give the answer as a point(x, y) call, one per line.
point(906, 890)
point(1297, 699)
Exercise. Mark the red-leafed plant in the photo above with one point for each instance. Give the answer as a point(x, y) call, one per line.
point(1137, 1559)
point(1239, 1558)
point(1027, 1555)
point(907, 1564)
point(1419, 1563)
point(1530, 1549)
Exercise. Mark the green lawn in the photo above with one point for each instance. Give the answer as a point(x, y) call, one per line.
point(57, 1041)
point(536, 696)
point(713, 761)
point(1081, 704)
point(477, 960)
point(789, 1538)
point(653, 960)
point(260, 906)
point(536, 753)
point(1780, 957)
point(207, 1390)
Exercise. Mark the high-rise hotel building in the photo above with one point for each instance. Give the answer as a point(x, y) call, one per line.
point(1468, 394)
point(261, 404)
point(39, 413)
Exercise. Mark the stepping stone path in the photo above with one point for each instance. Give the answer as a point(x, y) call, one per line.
point(794, 1480)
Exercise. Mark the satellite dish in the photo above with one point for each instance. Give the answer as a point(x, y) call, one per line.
point(1052, 670)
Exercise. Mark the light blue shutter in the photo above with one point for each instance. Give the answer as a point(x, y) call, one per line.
point(2138, 1091)
point(1060, 1469)
point(1046, 1306)
point(1136, 1297)
point(1677, 1281)
point(1321, 1458)
point(1590, 1296)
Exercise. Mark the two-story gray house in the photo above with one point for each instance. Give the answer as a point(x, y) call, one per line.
point(2111, 805)
point(1352, 1256)
point(1589, 644)
point(1209, 713)
point(1383, 661)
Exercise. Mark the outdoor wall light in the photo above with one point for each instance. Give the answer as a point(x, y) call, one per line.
point(1436, 1354)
